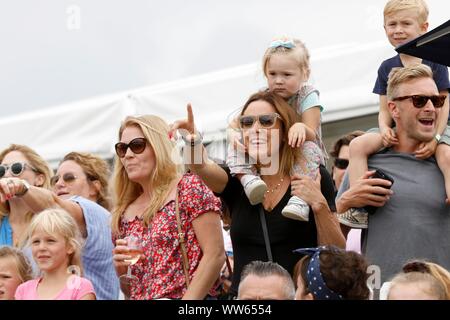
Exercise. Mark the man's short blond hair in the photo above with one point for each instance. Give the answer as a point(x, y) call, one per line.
point(420, 6)
point(397, 76)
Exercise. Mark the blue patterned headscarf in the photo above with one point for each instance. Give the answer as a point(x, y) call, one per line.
point(316, 285)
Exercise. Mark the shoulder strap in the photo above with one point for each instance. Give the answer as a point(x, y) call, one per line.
point(265, 232)
point(181, 240)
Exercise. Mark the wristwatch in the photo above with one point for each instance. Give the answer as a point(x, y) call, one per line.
point(437, 137)
point(26, 187)
point(198, 138)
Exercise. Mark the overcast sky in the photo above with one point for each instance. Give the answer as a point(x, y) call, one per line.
point(58, 51)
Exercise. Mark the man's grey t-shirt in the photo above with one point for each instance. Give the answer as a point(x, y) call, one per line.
point(415, 222)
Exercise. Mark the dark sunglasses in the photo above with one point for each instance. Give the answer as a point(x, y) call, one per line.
point(15, 168)
point(265, 120)
point(136, 145)
point(67, 178)
point(341, 163)
point(419, 101)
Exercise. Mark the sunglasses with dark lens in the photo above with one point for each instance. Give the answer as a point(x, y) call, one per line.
point(416, 266)
point(67, 177)
point(341, 163)
point(15, 168)
point(265, 120)
point(419, 101)
point(137, 145)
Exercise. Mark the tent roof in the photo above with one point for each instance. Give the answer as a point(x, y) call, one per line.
point(344, 75)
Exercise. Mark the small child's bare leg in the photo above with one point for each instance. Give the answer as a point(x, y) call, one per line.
point(443, 160)
point(360, 149)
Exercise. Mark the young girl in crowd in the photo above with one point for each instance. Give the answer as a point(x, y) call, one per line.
point(286, 67)
point(56, 248)
point(416, 286)
point(435, 270)
point(14, 270)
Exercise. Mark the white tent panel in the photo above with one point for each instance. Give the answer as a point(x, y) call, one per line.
point(344, 75)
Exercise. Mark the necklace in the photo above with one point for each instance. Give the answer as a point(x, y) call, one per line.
point(274, 189)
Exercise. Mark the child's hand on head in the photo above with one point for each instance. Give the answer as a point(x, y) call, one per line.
point(389, 137)
point(297, 135)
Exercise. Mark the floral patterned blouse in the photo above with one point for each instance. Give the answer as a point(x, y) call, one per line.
point(160, 272)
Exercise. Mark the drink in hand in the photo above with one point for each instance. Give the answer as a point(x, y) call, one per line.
point(135, 253)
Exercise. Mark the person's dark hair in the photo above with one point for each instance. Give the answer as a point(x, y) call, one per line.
point(344, 141)
point(269, 268)
point(344, 272)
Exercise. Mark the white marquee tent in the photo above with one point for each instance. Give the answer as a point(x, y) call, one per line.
point(344, 75)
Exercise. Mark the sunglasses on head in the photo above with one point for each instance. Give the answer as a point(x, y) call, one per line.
point(137, 145)
point(419, 101)
point(67, 178)
point(15, 168)
point(341, 163)
point(265, 120)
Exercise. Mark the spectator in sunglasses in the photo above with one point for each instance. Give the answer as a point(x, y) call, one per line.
point(270, 148)
point(175, 215)
point(396, 12)
point(18, 162)
point(340, 153)
point(341, 156)
point(85, 175)
point(92, 219)
point(287, 69)
point(412, 220)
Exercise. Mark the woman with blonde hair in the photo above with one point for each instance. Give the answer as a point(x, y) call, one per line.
point(22, 162)
point(175, 216)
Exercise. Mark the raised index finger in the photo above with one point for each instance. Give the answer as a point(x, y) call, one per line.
point(190, 114)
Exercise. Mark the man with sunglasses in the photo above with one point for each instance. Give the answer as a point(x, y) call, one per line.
point(412, 219)
point(340, 153)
